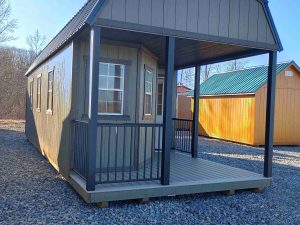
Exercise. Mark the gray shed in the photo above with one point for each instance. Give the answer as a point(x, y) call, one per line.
point(101, 95)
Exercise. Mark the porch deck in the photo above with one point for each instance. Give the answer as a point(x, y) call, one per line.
point(187, 176)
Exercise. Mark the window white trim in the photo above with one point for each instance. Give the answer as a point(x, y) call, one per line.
point(149, 93)
point(39, 93)
point(121, 89)
point(31, 88)
point(50, 92)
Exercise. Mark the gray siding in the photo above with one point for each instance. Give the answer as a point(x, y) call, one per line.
point(51, 133)
point(243, 20)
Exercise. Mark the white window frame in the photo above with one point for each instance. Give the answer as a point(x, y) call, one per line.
point(39, 93)
point(50, 110)
point(121, 90)
point(162, 96)
point(147, 69)
point(31, 88)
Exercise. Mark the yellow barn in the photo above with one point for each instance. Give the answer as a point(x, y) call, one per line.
point(233, 106)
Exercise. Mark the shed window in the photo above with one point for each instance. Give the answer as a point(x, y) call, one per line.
point(50, 91)
point(31, 92)
point(111, 89)
point(148, 91)
point(160, 88)
point(38, 92)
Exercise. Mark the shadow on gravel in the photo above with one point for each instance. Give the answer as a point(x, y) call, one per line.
point(246, 157)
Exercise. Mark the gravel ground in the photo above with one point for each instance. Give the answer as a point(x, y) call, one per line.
point(33, 193)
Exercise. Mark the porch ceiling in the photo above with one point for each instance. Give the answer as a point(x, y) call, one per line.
point(187, 52)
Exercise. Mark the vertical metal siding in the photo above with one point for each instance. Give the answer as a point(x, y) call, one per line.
point(244, 20)
point(192, 16)
point(234, 18)
point(214, 17)
point(157, 13)
point(203, 15)
point(118, 10)
point(145, 13)
point(132, 11)
point(169, 14)
point(253, 20)
point(181, 9)
point(224, 18)
point(238, 19)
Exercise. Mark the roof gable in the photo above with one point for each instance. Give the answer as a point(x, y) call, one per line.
point(244, 81)
point(208, 20)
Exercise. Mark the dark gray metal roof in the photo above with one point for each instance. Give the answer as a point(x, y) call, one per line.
point(67, 33)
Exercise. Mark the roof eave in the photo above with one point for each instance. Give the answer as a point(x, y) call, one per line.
point(265, 4)
point(92, 17)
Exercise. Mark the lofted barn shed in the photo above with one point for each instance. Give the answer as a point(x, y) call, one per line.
point(101, 95)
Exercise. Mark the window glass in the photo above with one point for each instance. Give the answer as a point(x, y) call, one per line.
point(38, 93)
point(111, 89)
point(148, 92)
point(159, 99)
point(31, 93)
point(50, 91)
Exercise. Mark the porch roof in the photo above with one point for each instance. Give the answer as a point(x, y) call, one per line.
point(181, 19)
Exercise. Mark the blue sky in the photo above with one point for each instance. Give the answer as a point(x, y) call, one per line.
point(49, 16)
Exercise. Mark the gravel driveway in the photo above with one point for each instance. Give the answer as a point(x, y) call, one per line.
point(33, 193)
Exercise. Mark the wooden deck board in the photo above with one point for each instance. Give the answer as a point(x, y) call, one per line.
point(188, 176)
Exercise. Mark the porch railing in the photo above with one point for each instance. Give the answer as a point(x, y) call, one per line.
point(182, 135)
point(80, 148)
point(125, 152)
point(128, 152)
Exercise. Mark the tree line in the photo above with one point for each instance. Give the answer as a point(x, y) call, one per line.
point(14, 63)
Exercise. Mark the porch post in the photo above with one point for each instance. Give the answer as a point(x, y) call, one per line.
point(167, 117)
point(93, 106)
point(196, 113)
point(269, 135)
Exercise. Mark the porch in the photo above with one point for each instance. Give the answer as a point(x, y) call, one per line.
point(122, 150)
point(187, 176)
point(129, 164)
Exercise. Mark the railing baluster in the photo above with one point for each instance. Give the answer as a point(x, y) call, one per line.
point(101, 149)
point(108, 153)
point(130, 160)
point(145, 151)
point(138, 156)
point(116, 152)
point(158, 152)
point(152, 140)
point(124, 143)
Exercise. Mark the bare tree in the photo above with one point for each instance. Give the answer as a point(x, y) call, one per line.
point(235, 65)
point(186, 77)
point(7, 23)
point(13, 63)
point(36, 42)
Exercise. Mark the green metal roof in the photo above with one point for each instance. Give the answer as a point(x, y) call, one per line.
point(238, 82)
